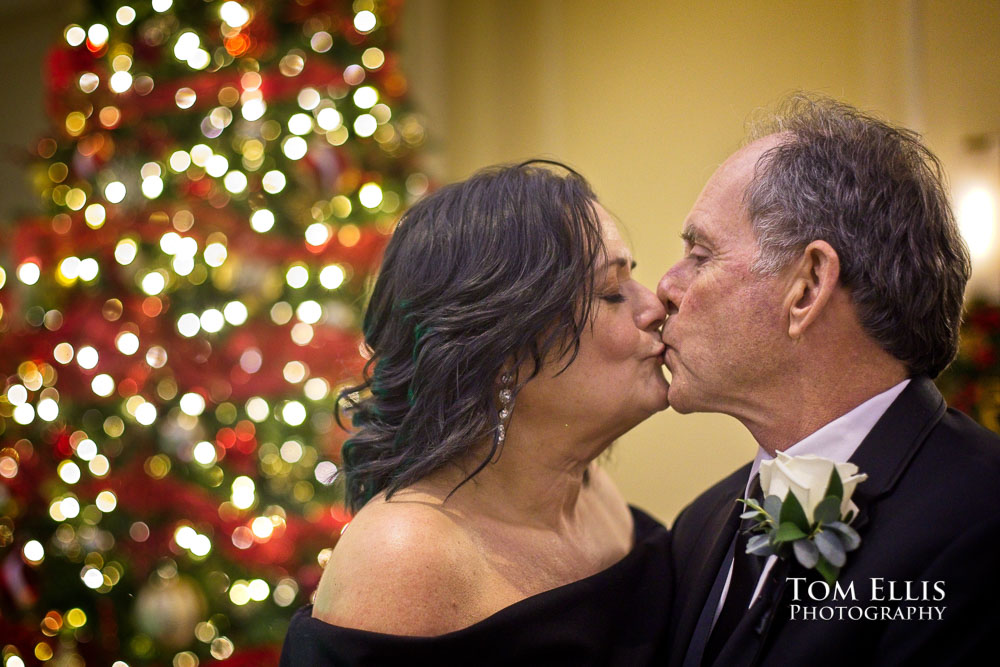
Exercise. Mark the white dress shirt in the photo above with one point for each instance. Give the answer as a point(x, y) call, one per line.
point(838, 441)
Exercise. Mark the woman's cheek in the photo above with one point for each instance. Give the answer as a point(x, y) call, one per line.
point(619, 341)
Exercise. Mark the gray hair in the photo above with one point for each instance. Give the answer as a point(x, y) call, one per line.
point(876, 194)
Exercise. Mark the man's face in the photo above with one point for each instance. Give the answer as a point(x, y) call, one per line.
point(725, 331)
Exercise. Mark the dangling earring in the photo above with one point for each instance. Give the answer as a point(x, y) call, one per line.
point(505, 397)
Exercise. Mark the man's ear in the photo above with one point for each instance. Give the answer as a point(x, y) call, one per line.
point(813, 281)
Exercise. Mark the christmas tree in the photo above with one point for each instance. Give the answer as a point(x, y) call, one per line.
point(972, 382)
point(218, 185)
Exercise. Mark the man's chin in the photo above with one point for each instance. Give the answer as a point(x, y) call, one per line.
point(675, 400)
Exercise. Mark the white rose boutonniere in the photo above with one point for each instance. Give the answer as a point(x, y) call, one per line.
point(806, 511)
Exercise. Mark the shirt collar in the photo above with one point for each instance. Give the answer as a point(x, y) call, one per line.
point(839, 439)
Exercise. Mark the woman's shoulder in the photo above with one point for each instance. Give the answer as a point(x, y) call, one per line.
point(402, 567)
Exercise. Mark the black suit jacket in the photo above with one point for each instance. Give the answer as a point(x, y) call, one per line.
point(929, 512)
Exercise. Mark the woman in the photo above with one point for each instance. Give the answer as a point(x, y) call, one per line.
point(511, 346)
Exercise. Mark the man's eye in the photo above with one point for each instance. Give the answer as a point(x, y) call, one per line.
point(617, 297)
point(697, 255)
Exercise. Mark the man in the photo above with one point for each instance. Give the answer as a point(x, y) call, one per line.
point(820, 291)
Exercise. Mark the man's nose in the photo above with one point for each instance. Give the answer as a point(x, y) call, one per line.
point(669, 290)
point(649, 314)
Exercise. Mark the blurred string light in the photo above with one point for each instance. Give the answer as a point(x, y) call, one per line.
point(115, 192)
point(125, 15)
point(75, 35)
point(364, 21)
point(120, 82)
point(234, 14)
point(125, 251)
point(373, 58)
point(98, 34)
point(365, 125)
point(262, 220)
point(365, 97)
point(273, 182)
point(297, 276)
point(243, 492)
point(235, 312)
point(204, 453)
point(33, 552)
point(331, 277)
point(370, 195)
point(29, 272)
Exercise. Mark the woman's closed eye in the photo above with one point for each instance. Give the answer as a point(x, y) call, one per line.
point(613, 297)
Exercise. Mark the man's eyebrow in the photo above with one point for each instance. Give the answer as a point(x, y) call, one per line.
point(692, 236)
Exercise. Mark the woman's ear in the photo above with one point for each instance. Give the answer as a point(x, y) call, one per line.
point(814, 279)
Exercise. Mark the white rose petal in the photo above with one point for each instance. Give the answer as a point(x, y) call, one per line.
point(808, 478)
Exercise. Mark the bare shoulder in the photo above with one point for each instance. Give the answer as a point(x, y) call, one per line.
point(402, 567)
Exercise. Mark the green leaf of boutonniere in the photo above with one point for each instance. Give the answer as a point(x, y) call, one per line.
point(787, 532)
point(753, 504)
point(828, 510)
point(827, 571)
point(806, 553)
point(760, 545)
point(772, 505)
point(836, 486)
point(848, 536)
point(792, 512)
point(830, 547)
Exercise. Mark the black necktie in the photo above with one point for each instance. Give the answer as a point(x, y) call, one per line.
point(746, 573)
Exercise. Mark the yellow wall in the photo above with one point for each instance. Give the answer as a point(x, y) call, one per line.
point(646, 98)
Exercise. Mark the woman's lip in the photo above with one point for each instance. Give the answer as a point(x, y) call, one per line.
point(659, 354)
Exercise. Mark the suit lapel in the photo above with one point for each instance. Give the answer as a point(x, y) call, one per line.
point(744, 646)
point(892, 443)
point(721, 526)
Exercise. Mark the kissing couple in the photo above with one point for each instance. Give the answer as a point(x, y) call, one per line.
point(819, 294)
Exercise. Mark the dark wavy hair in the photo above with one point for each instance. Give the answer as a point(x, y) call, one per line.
point(481, 277)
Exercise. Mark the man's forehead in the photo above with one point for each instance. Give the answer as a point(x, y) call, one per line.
point(738, 168)
point(723, 193)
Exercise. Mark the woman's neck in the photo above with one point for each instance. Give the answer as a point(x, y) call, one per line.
point(536, 481)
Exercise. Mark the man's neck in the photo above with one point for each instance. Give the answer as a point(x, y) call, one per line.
point(808, 406)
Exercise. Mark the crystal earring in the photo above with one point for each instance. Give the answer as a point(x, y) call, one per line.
point(505, 398)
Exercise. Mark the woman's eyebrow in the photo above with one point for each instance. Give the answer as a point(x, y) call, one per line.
point(621, 262)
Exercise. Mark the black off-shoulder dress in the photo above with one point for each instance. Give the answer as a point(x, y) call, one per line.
point(617, 617)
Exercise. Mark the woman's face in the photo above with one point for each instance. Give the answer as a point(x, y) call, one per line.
point(616, 380)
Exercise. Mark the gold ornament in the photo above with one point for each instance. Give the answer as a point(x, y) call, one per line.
point(169, 608)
